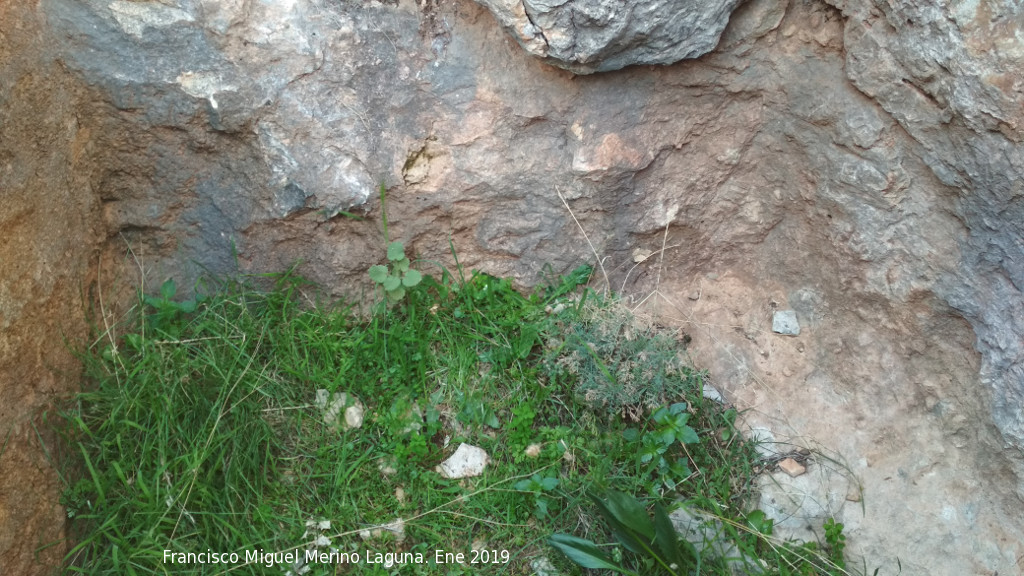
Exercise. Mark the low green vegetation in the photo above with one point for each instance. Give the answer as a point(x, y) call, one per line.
point(214, 426)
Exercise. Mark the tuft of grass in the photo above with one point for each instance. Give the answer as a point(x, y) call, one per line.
point(199, 431)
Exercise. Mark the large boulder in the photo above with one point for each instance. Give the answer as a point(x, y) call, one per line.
point(587, 36)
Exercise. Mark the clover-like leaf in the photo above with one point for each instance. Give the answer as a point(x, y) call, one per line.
point(378, 273)
point(402, 265)
point(392, 283)
point(412, 278)
point(396, 251)
point(396, 294)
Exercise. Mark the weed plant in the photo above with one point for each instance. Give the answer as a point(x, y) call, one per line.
point(197, 431)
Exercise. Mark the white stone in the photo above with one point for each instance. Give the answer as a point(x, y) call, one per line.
point(354, 416)
point(339, 409)
point(468, 461)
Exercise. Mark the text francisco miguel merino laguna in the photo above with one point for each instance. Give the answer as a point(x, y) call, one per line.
point(387, 559)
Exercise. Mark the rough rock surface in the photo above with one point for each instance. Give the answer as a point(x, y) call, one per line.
point(587, 36)
point(952, 76)
point(48, 235)
point(858, 162)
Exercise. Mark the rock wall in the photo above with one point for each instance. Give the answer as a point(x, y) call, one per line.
point(48, 239)
point(951, 75)
point(856, 162)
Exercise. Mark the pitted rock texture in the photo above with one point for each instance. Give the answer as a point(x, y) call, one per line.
point(859, 164)
point(587, 36)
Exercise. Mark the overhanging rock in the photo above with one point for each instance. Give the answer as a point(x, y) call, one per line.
point(587, 36)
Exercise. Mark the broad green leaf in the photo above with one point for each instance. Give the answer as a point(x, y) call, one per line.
point(549, 483)
point(412, 278)
point(378, 273)
point(583, 552)
point(760, 522)
point(392, 283)
point(667, 540)
point(688, 436)
point(629, 512)
point(402, 265)
point(628, 520)
point(396, 251)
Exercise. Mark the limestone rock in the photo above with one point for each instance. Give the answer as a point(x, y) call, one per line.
point(587, 36)
point(707, 535)
point(799, 505)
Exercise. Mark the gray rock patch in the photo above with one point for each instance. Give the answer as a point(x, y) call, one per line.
point(785, 322)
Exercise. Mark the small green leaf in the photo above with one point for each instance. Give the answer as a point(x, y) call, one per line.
point(392, 283)
point(168, 289)
point(526, 485)
point(667, 437)
point(396, 251)
point(412, 278)
point(549, 483)
point(402, 265)
point(491, 419)
point(680, 469)
point(134, 341)
point(378, 273)
point(660, 415)
point(583, 552)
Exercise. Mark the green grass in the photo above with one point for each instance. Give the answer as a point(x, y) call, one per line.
point(198, 430)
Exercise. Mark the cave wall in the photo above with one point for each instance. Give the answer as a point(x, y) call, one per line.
point(858, 162)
